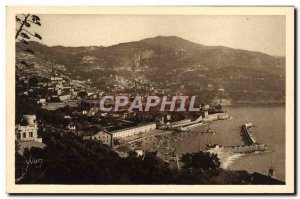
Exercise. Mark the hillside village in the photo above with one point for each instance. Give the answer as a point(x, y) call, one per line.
point(57, 99)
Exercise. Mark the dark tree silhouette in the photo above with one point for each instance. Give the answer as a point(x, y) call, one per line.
point(23, 35)
point(200, 160)
point(82, 94)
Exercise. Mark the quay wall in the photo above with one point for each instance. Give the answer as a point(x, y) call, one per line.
point(246, 148)
point(194, 125)
point(245, 129)
point(186, 123)
point(181, 122)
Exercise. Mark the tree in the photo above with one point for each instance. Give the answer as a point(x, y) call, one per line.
point(23, 35)
point(200, 160)
point(33, 81)
point(19, 161)
point(82, 94)
point(219, 107)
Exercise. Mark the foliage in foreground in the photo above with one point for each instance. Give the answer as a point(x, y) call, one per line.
point(69, 160)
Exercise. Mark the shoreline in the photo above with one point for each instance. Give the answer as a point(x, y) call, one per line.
point(195, 141)
point(255, 105)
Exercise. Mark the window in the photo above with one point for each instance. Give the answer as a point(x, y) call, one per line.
point(31, 134)
point(24, 135)
point(18, 136)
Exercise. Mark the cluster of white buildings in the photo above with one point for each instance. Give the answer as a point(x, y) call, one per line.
point(122, 133)
point(108, 138)
point(61, 88)
point(61, 92)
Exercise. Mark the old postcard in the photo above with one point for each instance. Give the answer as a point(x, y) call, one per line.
point(172, 99)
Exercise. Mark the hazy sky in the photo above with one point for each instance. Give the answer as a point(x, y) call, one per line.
point(256, 33)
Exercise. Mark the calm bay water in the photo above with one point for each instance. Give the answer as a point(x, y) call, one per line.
point(269, 122)
point(269, 129)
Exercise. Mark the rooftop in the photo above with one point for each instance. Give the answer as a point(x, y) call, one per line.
point(138, 126)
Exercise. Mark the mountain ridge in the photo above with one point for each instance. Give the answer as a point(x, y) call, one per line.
point(170, 62)
point(148, 40)
point(162, 37)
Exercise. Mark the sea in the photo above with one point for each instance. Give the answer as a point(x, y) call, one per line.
point(269, 122)
point(269, 129)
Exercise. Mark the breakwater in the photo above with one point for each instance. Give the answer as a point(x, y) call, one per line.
point(250, 145)
point(248, 136)
point(246, 148)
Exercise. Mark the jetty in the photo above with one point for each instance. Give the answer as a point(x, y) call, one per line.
point(246, 148)
point(248, 136)
point(237, 149)
point(250, 146)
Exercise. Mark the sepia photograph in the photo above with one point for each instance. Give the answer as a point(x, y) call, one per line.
point(173, 99)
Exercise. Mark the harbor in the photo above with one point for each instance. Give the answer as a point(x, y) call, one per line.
point(233, 139)
point(269, 129)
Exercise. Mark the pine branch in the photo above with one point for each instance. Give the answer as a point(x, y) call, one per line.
point(21, 27)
